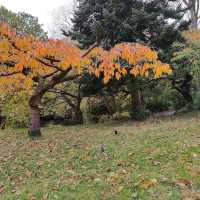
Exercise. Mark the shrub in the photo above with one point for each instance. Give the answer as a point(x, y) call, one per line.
point(16, 111)
point(98, 106)
point(158, 104)
point(139, 113)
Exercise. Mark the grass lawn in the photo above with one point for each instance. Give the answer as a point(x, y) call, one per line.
point(155, 159)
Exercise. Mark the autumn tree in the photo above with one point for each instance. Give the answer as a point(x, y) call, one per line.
point(37, 66)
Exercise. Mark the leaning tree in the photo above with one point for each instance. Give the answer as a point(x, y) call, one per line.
point(37, 66)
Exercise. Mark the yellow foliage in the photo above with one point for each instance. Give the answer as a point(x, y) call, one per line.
point(138, 60)
point(22, 58)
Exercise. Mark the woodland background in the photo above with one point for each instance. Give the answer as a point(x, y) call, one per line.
point(116, 95)
point(168, 27)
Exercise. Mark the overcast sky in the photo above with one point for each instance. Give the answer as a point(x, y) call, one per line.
point(40, 8)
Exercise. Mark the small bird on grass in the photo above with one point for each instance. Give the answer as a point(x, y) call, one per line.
point(116, 132)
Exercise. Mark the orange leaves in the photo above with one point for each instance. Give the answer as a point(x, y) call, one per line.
point(161, 68)
point(63, 53)
point(4, 45)
point(5, 30)
point(24, 43)
point(97, 72)
point(124, 71)
point(45, 58)
point(136, 59)
point(41, 58)
point(134, 53)
point(19, 67)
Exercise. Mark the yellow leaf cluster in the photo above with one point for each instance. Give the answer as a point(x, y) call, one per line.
point(124, 58)
point(25, 57)
point(22, 58)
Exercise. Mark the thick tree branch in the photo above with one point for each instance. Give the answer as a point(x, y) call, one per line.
point(9, 74)
point(49, 64)
point(62, 92)
point(90, 49)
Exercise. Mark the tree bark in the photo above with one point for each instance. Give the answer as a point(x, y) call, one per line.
point(35, 100)
point(137, 107)
point(34, 109)
point(34, 129)
point(78, 116)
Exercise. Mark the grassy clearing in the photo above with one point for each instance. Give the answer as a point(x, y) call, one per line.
point(155, 159)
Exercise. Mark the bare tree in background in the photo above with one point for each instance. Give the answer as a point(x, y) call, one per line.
point(193, 7)
point(61, 19)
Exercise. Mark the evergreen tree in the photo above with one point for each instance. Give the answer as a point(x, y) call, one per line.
point(156, 23)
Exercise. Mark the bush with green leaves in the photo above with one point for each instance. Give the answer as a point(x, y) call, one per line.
point(98, 107)
point(15, 109)
point(158, 104)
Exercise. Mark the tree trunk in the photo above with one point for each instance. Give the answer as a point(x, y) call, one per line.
point(78, 116)
point(34, 129)
point(137, 107)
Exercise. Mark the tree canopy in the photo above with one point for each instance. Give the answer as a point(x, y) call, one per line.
point(24, 23)
point(37, 66)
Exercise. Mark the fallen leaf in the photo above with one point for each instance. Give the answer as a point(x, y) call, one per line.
point(13, 190)
point(121, 164)
point(194, 155)
point(184, 183)
point(156, 163)
point(131, 154)
point(1, 188)
point(146, 184)
point(122, 172)
point(97, 180)
point(40, 163)
point(28, 173)
point(113, 177)
point(164, 179)
point(119, 189)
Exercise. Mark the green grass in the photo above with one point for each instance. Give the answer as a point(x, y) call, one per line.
point(155, 159)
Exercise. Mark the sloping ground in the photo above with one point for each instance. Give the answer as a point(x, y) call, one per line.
point(155, 159)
